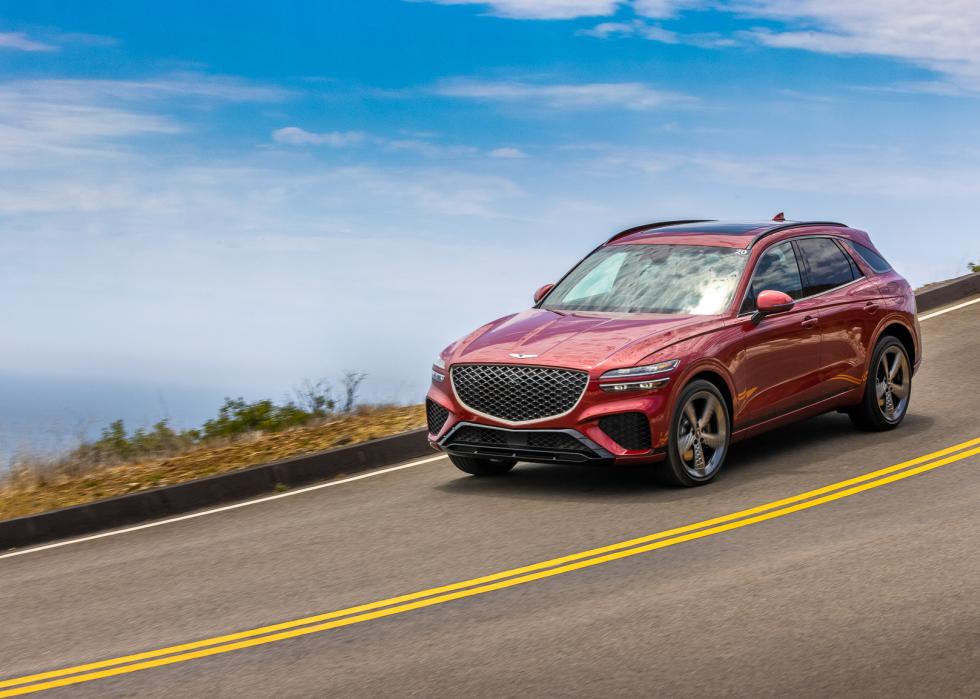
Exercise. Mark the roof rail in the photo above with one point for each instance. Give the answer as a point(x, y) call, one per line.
point(651, 226)
point(794, 224)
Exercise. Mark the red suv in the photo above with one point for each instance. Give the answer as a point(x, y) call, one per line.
point(674, 339)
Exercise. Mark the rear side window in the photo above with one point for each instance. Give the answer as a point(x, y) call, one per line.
point(776, 270)
point(827, 265)
point(875, 261)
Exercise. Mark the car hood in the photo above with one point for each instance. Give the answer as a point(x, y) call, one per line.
point(580, 340)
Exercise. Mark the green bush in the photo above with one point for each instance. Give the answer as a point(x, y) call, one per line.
point(235, 417)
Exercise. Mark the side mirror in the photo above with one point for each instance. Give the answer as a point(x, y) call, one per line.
point(542, 292)
point(770, 302)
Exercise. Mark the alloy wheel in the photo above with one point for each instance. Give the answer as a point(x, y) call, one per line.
point(702, 435)
point(892, 379)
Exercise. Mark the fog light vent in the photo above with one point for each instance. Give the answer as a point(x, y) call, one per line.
point(436, 416)
point(628, 430)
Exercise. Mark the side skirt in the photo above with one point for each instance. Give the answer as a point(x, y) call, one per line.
point(851, 396)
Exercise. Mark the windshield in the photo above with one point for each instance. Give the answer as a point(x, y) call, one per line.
point(685, 279)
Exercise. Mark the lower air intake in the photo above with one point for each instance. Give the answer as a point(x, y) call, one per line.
point(435, 415)
point(542, 446)
point(629, 430)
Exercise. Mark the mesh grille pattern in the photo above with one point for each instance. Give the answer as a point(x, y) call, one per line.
point(518, 393)
point(479, 435)
point(488, 436)
point(629, 430)
point(554, 440)
point(435, 415)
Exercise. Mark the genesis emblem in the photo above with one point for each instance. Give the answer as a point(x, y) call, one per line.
point(518, 355)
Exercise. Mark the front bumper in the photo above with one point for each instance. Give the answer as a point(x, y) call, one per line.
point(540, 446)
point(528, 442)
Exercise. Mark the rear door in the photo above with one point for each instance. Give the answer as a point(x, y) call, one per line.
point(847, 304)
point(777, 367)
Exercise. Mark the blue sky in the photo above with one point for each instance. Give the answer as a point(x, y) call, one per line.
point(198, 200)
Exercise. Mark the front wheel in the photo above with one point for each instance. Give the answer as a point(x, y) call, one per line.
point(887, 390)
point(699, 436)
point(482, 467)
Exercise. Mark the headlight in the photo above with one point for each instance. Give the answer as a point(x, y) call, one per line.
point(645, 377)
point(438, 370)
point(645, 370)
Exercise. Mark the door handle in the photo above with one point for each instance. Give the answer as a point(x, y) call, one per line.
point(809, 322)
point(871, 306)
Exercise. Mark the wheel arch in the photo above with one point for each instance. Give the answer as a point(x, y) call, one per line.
point(900, 332)
point(713, 375)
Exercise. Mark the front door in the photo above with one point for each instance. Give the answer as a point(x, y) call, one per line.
point(777, 367)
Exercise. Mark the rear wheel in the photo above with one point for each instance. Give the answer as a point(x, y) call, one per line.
point(887, 390)
point(482, 467)
point(699, 436)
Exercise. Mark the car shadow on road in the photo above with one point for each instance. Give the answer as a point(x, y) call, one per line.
point(809, 446)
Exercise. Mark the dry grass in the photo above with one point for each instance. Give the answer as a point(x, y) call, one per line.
point(41, 486)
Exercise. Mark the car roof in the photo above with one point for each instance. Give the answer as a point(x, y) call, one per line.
point(734, 234)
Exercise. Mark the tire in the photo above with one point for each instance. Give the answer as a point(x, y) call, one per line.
point(712, 435)
point(476, 466)
point(888, 389)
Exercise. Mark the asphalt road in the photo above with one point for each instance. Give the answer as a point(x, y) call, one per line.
point(872, 593)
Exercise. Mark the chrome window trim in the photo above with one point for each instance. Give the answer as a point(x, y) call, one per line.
point(452, 382)
point(802, 298)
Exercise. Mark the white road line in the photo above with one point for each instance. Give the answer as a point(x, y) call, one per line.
point(927, 316)
point(299, 491)
point(225, 508)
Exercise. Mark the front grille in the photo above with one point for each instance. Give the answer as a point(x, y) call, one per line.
point(518, 393)
point(435, 415)
point(629, 430)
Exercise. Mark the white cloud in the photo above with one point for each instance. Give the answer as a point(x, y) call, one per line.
point(175, 85)
point(637, 27)
point(654, 32)
point(542, 9)
point(571, 9)
point(627, 95)
point(941, 36)
point(507, 153)
point(295, 136)
point(426, 148)
point(662, 9)
point(19, 41)
point(875, 172)
point(35, 121)
point(101, 116)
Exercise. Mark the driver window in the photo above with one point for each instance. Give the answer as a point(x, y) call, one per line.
point(778, 270)
point(599, 280)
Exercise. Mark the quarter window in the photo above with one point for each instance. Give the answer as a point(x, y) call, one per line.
point(827, 265)
point(777, 270)
point(875, 261)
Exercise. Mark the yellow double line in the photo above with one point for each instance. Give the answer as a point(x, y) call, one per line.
point(477, 586)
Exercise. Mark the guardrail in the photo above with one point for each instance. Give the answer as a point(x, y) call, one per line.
point(170, 500)
point(181, 498)
point(943, 293)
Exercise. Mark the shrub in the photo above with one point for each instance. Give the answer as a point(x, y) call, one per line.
point(237, 416)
